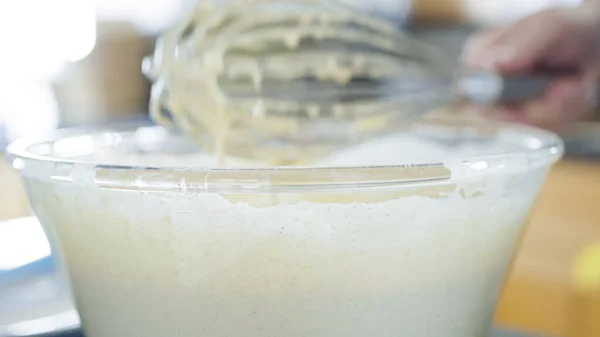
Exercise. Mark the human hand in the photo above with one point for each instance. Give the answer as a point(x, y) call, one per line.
point(555, 40)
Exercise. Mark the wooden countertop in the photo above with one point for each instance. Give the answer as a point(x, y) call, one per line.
point(543, 293)
point(446, 11)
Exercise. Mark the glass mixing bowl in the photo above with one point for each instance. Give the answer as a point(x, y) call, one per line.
point(409, 234)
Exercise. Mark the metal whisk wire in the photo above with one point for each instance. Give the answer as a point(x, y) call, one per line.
point(287, 70)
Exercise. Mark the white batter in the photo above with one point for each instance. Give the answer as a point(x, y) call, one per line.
point(424, 262)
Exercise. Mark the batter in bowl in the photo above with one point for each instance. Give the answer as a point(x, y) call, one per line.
point(318, 255)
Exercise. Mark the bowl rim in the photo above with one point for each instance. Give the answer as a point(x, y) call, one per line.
point(543, 149)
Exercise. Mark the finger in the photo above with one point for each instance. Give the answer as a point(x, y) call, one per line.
point(521, 46)
point(565, 101)
point(474, 51)
point(568, 100)
point(591, 68)
point(591, 80)
point(504, 113)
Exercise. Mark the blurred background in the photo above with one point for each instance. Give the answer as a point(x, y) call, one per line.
point(78, 62)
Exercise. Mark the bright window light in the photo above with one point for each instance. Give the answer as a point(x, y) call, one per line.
point(22, 241)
